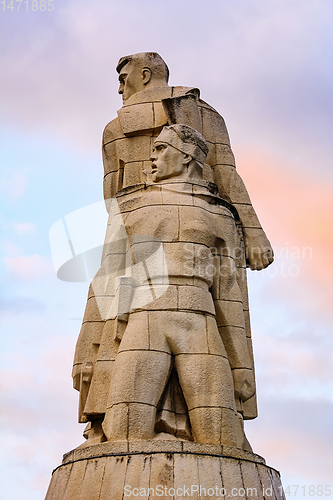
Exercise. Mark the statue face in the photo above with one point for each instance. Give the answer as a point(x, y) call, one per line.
point(167, 161)
point(130, 80)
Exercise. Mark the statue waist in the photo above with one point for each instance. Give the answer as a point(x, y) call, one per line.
point(180, 296)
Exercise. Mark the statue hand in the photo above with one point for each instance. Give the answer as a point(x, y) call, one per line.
point(244, 384)
point(259, 252)
point(82, 373)
point(76, 374)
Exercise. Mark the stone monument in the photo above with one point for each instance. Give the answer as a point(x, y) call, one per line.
point(164, 362)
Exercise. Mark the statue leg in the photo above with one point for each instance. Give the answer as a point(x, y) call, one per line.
point(139, 377)
point(208, 390)
point(205, 377)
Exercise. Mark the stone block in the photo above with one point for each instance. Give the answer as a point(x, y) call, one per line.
point(207, 172)
point(168, 299)
point(277, 486)
point(141, 420)
point(151, 95)
point(107, 448)
point(210, 477)
point(231, 476)
point(93, 478)
point(224, 155)
point(134, 372)
point(162, 470)
point(200, 388)
point(75, 481)
point(163, 464)
point(113, 483)
point(58, 483)
point(266, 482)
point(160, 118)
point(231, 313)
point(136, 117)
point(215, 344)
point(195, 299)
point(213, 126)
point(185, 332)
point(156, 446)
point(249, 217)
point(169, 198)
point(138, 473)
point(137, 334)
point(132, 173)
point(204, 448)
point(92, 313)
point(235, 343)
point(138, 149)
point(252, 484)
point(112, 132)
point(186, 473)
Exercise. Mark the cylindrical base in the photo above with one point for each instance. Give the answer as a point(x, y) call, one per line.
point(171, 470)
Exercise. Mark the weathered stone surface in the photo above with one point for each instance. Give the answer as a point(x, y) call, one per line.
point(104, 473)
point(164, 362)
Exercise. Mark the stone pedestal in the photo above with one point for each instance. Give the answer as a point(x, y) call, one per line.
point(163, 469)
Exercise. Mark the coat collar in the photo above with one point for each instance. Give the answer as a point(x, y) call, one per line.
point(143, 111)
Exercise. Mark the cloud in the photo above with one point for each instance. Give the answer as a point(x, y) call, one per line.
point(21, 305)
point(13, 185)
point(289, 434)
point(292, 363)
point(260, 70)
point(295, 207)
point(27, 267)
point(24, 228)
point(39, 414)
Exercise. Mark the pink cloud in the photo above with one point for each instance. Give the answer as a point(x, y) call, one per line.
point(288, 450)
point(300, 359)
point(24, 228)
point(295, 209)
point(13, 185)
point(26, 267)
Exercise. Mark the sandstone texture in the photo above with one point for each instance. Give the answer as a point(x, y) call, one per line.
point(163, 469)
point(164, 361)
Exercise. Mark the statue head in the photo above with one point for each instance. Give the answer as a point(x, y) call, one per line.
point(179, 151)
point(141, 71)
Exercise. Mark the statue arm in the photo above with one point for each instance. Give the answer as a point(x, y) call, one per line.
point(230, 321)
point(86, 350)
point(259, 252)
point(232, 188)
point(113, 167)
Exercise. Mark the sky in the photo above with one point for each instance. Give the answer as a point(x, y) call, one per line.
point(266, 67)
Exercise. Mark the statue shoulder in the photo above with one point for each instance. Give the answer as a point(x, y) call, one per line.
point(210, 111)
point(180, 91)
point(214, 127)
point(112, 131)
